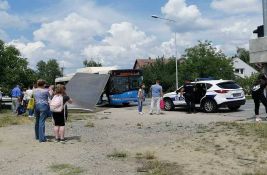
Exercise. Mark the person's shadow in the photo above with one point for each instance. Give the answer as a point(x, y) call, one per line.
point(71, 138)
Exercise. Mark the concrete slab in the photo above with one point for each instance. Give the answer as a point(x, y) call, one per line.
point(258, 50)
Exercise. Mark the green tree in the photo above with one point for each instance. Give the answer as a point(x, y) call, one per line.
point(204, 60)
point(243, 54)
point(247, 82)
point(164, 70)
point(13, 68)
point(48, 71)
point(91, 63)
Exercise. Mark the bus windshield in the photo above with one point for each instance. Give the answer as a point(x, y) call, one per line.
point(120, 84)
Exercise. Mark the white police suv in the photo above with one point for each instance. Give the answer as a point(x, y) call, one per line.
point(209, 96)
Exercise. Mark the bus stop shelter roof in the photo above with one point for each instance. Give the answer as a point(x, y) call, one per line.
point(85, 89)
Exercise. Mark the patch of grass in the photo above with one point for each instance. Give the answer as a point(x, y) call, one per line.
point(139, 125)
point(202, 129)
point(104, 118)
point(13, 120)
point(89, 124)
point(197, 149)
point(148, 155)
point(66, 169)
point(248, 97)
point(246, 129)
point(76, 117)
point(117, 154)
point(156, 167)
point(257, 173)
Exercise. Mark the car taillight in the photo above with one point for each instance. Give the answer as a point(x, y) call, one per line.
point(222, 91)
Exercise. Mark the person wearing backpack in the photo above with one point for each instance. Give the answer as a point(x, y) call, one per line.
point(41, 111)
point(57, 107)
point(257, 93)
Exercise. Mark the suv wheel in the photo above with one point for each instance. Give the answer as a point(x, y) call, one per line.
point(209, 106)
point(168, 106)
point(233, 108)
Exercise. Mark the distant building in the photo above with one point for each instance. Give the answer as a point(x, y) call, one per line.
point(141, 63)
point(242, 69)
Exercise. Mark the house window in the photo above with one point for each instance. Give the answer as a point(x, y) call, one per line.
point(239, 71)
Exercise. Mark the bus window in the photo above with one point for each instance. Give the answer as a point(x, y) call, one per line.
point(119, 84)
point(135, 82)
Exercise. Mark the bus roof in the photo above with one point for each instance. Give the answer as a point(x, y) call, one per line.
point(96, 70)
point(92, 70)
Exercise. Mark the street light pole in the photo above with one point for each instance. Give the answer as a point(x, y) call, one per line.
point(175, 44)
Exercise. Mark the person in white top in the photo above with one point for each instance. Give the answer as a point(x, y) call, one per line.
point(27, 96)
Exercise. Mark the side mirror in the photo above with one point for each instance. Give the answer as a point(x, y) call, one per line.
point(177, 91)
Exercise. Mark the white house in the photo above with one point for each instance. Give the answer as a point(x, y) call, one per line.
point(242, 69)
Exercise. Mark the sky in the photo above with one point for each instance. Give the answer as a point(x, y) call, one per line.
point(116, 32)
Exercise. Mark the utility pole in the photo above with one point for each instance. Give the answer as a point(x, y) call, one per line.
point(264, 7)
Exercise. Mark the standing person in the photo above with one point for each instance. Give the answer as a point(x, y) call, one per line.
point(57, 106)
point(27, 96)
point(24, 101)
point(66, 99)
point(51, 90)
point(258, 94)
point(15, 94)
point(189, 93)
point(141, 98)
point(41, 96)
point(1, 96)
point(157, 93)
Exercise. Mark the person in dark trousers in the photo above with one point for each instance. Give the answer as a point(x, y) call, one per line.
point(257, 93)
point(189, 95)
point(1, 100)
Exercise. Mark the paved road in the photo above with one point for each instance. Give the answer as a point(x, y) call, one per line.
point(245, 112)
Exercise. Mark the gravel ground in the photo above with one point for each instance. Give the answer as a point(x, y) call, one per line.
point(172, 137)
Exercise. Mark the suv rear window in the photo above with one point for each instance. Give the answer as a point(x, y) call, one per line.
point(228, 85)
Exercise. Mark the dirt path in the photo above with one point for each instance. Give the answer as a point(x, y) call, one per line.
point(189, 141)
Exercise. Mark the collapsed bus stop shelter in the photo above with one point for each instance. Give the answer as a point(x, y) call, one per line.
point(85, 89)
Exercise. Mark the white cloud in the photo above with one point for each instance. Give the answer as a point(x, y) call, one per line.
point(183, 41)
point(11, 21)
point(237, 6)
point(187, 17)
point(4, 5)
point(34, 51)
point(84, 30)
point(71, 32)
point(123, 44)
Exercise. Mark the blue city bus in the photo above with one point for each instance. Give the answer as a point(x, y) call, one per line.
point(122, 87)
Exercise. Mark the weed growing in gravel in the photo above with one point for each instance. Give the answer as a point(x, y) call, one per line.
point(89, 124)
point(148, 155)
point(66, 169)
point(14, 120)
point(258, 173)
point(76, 117)
point(156, 167)
point(117, 154)
point(139, 125)
point(246, 129)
